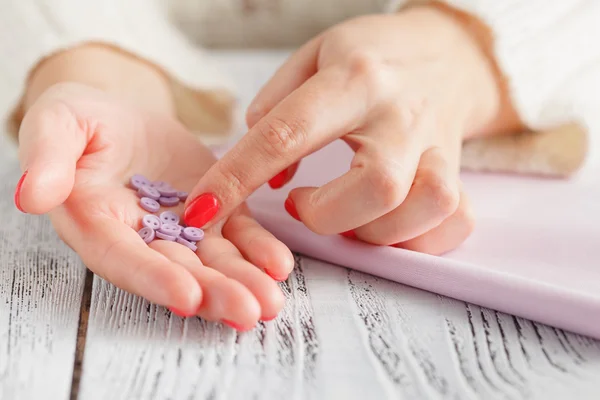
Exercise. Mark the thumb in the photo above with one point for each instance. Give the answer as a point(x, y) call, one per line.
point(51, 141)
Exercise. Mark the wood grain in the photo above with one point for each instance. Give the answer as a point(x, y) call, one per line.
point(343, 334)
point(41, 283)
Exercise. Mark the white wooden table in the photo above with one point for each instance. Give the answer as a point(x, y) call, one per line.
point(343, 335)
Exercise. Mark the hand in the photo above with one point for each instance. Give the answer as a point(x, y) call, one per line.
point(79, 147)
point(402, 91)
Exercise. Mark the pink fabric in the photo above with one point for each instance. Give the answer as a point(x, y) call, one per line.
point(534, 252)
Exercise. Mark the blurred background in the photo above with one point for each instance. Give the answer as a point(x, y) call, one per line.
point(264, 23)
point(222, 26)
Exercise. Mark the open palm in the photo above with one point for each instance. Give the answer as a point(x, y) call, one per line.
point(79, 147)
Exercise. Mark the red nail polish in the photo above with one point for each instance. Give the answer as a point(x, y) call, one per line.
point(201, 210)
point(290, 207)
point(349, 234)
point(279, 180)
point(233, 325)
point(18, 192)
point(275, 277)
point(268, 318)
point(180, 313)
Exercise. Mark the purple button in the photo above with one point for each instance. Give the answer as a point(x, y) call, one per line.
point(137, 181)
point(170, 229)
point(147, 191)
point(169, 217)
point(187, 244)
point(147, 234)
point(167, 191)
point(151, 221)
point(149, 205)
point(182, 195)
point(169, 201)
point(163, 236)
point(193, 234)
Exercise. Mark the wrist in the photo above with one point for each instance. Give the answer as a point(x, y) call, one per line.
point(107, 68)
point(491, 108)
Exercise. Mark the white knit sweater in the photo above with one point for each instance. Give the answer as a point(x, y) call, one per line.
point(549, 49)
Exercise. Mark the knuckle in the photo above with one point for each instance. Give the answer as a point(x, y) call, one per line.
point(389, 190)
point(234, 183)
point(280, 137)
point(367, 68)
point(444, 196)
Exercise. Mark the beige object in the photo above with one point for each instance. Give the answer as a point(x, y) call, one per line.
point(558, 152)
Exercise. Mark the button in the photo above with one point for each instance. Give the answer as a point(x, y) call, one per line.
point(169, 201)
point(170, 229)
point(151, 221)
point(149, 205)
point(169, 217)
point(182, 195)
point(187, 244)
point(167, 191)
point(137, 181)
point(162, 236)
point(147, 191)
point(147, 234)
point(193, 234)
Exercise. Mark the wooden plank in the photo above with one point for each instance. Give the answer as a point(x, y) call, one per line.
point(138, 350)
point(41, 282)
point(434, 347)
point(343, 334)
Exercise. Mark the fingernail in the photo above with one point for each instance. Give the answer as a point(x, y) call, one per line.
point(290, 207)
point(268, 318)
point(279, 180)
point(274, 276)
point(180, 313)
point(18, 192)
point(235, 326)
point(201, 210)
point(349, 234)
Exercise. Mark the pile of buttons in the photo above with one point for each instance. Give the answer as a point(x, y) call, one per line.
point(165, 226)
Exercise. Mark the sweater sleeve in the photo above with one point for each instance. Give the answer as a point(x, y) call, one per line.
point(549, 52)
point(40, 28)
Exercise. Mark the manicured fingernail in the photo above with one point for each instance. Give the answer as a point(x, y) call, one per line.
point(275, 277)
point(279, 180)
point(180, 313)
point(201, 210)
point(290, 207)
point(18, 192)
point(349, 234)
point(235, 326)
point(268, 318)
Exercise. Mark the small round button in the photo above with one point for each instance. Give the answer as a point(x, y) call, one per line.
point(147, 234)
point(149, 204)
point(169, 201)
point(193, 234)
point(169, 217)
point(137, 181)
point(151, 221)
point(147, 191)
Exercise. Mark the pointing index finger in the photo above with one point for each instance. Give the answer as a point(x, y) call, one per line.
point(326, 107)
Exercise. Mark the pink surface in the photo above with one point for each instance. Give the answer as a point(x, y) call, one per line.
point(534, 253)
